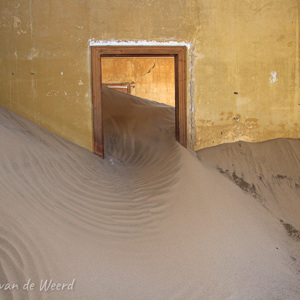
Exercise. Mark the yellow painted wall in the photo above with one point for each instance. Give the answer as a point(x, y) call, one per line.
point(149, 77)
point(45, 72)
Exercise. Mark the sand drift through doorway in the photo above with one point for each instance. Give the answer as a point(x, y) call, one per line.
point(179, 54)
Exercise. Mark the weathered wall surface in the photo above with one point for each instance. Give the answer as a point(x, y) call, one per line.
point(237, 97)
point(235, 45)
point(150, 78)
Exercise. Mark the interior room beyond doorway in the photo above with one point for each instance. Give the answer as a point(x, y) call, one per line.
point(151, 78)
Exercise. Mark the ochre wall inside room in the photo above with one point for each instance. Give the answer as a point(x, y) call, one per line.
point(45, 72)
point(149, 77)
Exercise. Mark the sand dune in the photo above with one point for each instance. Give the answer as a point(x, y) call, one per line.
point(269, 171)
point(150, 221)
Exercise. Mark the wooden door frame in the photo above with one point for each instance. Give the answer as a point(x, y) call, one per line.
point(179, 54)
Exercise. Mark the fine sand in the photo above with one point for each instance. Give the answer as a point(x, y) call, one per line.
point(151, 220)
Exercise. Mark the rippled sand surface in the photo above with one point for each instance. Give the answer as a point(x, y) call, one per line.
point(150, 221)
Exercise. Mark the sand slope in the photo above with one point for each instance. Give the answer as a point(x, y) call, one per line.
point(149, 222)
point(269, 171)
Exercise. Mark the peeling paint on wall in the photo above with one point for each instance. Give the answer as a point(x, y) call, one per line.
point(33, 53)
point(273, 77)
point(17, 20)
point(113, 42)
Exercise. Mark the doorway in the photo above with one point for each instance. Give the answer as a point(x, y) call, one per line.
point(179, 55)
